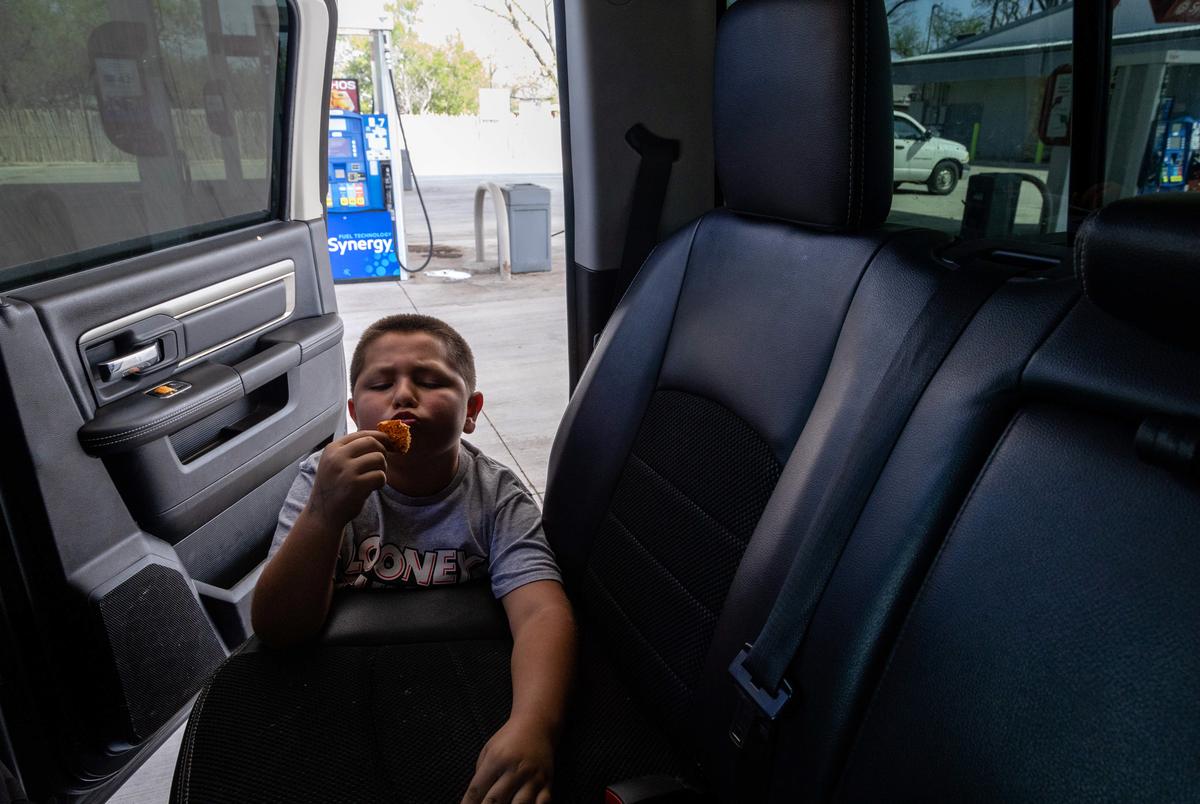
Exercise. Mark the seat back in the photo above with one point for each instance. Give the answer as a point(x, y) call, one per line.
point(708, 370)
point(1050, 648)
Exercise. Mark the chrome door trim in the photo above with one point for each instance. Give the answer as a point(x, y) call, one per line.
point(182, 306)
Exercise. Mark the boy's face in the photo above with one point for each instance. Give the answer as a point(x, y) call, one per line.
point(406, 376)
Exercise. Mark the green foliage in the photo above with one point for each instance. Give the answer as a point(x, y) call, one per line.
point(352, 59)
point(944, 26)
point(430, 79)
point(907, 40)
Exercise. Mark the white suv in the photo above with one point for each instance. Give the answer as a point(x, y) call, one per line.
point(922, 157)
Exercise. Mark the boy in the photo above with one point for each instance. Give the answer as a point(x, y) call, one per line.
point(360, 515)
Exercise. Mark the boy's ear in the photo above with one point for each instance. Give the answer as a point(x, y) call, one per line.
point(474, 407)
point(350, 407)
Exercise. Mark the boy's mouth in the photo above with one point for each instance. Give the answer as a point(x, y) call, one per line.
point(407, 418)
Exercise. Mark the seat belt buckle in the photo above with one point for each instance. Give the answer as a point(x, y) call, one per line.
point(756, 708)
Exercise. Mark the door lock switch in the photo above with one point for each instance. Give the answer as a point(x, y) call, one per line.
point(168, 389)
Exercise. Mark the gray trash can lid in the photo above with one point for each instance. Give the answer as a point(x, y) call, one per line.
point(526, 193)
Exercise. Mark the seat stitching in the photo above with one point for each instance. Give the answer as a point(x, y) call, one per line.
point(1081, 259)
point(658, 562)
point(637, 632)
point(850, 183)
point(862, 167)
point(922, 593)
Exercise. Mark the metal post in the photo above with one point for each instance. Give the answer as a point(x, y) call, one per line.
point(503, 255)
point(385, 98)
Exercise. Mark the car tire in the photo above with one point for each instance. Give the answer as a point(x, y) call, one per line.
point(943, 179)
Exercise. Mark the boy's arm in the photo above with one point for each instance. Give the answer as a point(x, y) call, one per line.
point(519, 759)
point(291, 598)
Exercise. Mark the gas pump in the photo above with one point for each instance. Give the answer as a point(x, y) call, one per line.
point(364, 232)
point(1181, 150)
point(1174, 153)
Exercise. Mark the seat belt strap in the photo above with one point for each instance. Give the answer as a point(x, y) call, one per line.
point(649, 193)
point(759, 669)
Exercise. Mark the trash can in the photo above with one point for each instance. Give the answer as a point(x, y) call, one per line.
point(528, 226)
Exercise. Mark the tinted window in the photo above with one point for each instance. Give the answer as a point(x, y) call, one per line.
point(994, 91)
point(1153, 143)
point(126, 127)
point(906, 130)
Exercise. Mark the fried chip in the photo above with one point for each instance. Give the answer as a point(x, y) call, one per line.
point(397, 433)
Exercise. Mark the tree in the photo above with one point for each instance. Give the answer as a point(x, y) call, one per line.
point(1002, 12)
point(943, 27)
point(907, 40)
point(433, 79)
point(429, 79)
point(535, 30)
point(950, 25)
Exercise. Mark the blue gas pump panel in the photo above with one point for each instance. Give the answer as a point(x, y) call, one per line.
point(357, 146)
point(1181, 145)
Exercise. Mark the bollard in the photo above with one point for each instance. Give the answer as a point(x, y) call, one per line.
point(503, 254)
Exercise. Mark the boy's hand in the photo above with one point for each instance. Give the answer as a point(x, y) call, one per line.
point(350, 469)
point(515, 766)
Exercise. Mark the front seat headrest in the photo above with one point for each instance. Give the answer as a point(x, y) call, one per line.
point(802, 111)
point(1139, 260)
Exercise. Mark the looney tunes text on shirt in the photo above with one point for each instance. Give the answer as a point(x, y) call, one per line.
point(393, 565)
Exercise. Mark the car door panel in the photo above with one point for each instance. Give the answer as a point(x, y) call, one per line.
point(122, 477)
point(135, 525)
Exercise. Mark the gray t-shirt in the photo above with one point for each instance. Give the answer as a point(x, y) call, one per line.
point(483, 524)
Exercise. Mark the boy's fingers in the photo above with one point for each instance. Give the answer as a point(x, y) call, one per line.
point(369, 462)
point(503, 789)
point(529, 793)
point(364, 441)
point(544, 796)
point(481, 783)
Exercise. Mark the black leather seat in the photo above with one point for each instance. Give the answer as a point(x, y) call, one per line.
point(1052, 651)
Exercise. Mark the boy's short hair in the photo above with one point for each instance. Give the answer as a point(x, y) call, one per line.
point(458, 353)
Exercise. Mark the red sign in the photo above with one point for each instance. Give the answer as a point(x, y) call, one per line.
point(343, 94)
point(1054, 126)
point(1176, 10)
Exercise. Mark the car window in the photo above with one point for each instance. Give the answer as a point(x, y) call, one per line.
point(906, 130)
point(1153, 137)
point(130, 127)
point(993, 88)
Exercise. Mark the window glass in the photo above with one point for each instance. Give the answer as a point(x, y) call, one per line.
point(906, 130)
point(990, 82)
point(1153, 143)
point(128, 126)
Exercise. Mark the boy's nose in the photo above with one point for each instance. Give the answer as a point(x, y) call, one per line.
point(405, 393)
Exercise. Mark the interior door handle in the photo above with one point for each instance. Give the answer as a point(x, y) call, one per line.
point(133, 363)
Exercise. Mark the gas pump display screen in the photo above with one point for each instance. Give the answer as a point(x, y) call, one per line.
point(340, 147)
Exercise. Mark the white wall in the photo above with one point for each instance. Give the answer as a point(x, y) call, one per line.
point(441, 145)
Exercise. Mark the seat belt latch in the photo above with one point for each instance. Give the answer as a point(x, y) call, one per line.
point(756, 708)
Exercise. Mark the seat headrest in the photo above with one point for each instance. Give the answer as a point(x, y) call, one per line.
point(1139, 260)
point(802, 111)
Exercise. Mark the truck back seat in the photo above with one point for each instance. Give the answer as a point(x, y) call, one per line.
point(1051, 651)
